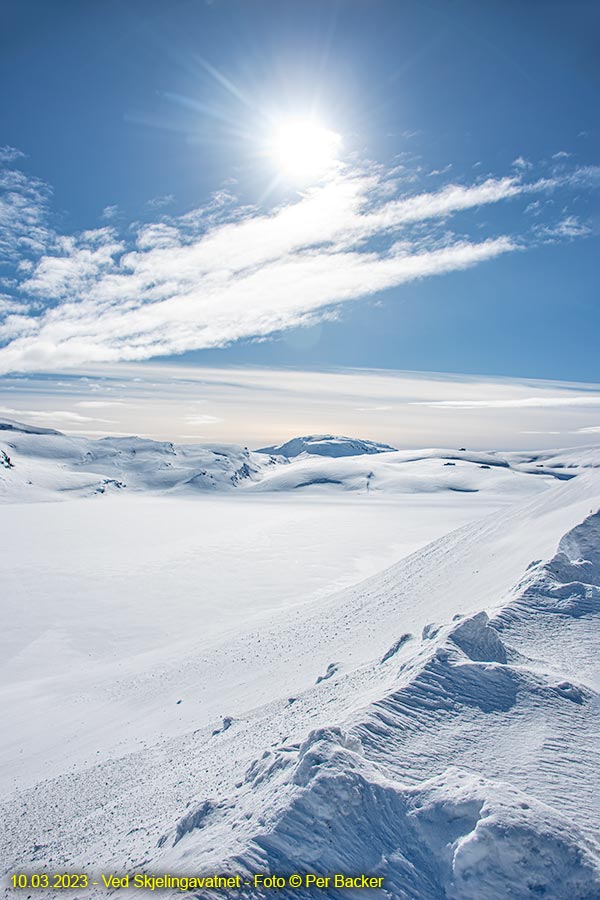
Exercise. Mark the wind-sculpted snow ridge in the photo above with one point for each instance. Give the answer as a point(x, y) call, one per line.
point(472, 777)
point(458, 836)
point(568, 585)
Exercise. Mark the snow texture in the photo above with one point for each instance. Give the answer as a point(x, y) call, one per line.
point(435, 724)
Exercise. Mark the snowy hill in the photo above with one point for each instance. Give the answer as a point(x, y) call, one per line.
point(325, 445)
point(46, 465)
point(50, 465)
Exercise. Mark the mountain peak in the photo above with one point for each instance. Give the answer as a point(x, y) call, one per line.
point(326, 445)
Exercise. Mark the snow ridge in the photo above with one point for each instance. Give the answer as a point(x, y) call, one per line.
point(350, 798)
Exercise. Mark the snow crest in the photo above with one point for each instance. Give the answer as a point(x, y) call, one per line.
point(341, 801)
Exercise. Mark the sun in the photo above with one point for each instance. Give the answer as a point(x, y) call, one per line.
point(303, 149)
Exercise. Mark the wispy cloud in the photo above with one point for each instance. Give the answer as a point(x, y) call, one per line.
point(99, 404)
point(202, 420)
point(521, 163)
point(160, 202)
point(24, 207)
point(109, 213)
point(258, 407)
point(228, 272)
point(51, 415)
point(568, 228)
point(514, 402)
point(9, 154)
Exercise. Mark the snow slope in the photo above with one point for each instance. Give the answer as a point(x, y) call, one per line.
point(435, 724)
point(51, 466)
point(467, 768)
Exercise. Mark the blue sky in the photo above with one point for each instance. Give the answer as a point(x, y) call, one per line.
point(146, 216)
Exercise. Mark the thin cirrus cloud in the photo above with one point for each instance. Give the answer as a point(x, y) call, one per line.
point(513, 403)
point(53, 415)
point(260, 407)
point(197, 282)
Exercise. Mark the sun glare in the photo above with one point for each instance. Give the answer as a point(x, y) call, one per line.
point(303, 149)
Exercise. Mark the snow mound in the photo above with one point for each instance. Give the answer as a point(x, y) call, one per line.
point(12, 425)
point(458, 835)
point(466, 773)
point(568, 585)
point(48, 465)
point(326, 445)
point(397, 472)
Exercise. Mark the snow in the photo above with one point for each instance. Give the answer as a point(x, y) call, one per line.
point(325, 445)
point(107, 567)
point(47, 465)
point(283, 669)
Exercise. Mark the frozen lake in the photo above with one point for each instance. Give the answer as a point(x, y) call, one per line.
point(103, 591)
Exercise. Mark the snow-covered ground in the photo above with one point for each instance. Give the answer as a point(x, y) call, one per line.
point(302, 661)
point(41, 464)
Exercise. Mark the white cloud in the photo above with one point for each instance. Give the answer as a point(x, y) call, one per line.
point(9, 154)
point(202, 420)
point(99, 404)
point(441, 171)
point(514, 403)
point(109, 213)
point(228, 272)
point(245, 278)
point(9, 305)
point(50, 415)
point(373, 408)
point(259, 407)
point(83, 260)
point(568, 228)
point(160, 202)
point(24, 202)
point(521, 163)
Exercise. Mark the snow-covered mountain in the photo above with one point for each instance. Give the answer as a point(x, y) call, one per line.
point(325, 445)
point(46, 464)
point(49, 465)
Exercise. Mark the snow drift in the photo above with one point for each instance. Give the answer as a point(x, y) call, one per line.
point(483, 830)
